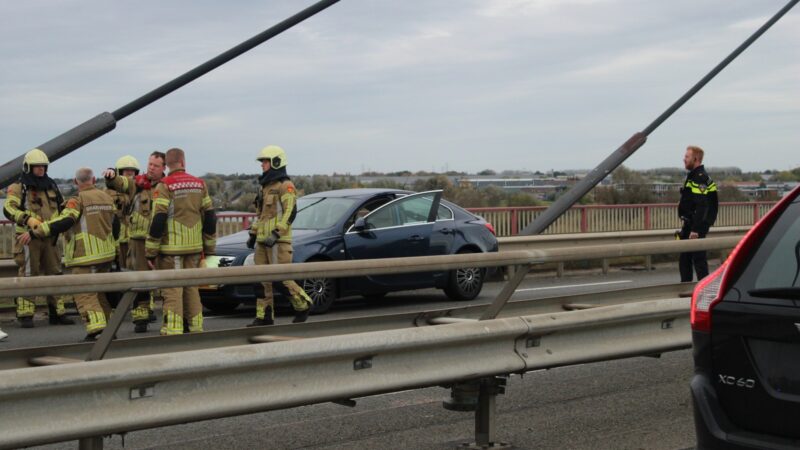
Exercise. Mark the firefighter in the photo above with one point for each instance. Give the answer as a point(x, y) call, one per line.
point(182, 231)
point(271, 234)
point(139, 189)
point(698, 211)
point(128, 167)
point(32, 200)
point(93, 229)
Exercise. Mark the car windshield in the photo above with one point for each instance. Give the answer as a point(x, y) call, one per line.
point(316, 213)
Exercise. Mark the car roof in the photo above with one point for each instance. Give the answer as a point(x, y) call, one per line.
point(357, 193)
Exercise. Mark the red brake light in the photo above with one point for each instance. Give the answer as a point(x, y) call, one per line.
point(706, 295)
point(491, 228)
point(709, 290)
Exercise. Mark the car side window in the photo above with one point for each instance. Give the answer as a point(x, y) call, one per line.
point(410, 211)
point(444, 213)
point(365, 209)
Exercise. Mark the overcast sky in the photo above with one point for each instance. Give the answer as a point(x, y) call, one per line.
point(405, 85)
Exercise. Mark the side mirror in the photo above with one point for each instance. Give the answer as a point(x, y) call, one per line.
point(360, 225)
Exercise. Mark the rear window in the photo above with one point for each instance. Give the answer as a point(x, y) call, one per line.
point(776, 263)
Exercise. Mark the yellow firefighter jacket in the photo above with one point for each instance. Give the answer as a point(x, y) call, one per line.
point(90, 219)
point(184, 221)
point(24, 202)
point(276, 206)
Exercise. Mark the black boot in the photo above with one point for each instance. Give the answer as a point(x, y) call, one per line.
point(261, 322)
point(301, 316)
point(91, 337)
point(52, 315)
point(26, 322)
point(269, 318)
point(140, 326)
point(64, 320)
point(152, 317)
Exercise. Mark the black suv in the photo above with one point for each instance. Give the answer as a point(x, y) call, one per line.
point(746, 335)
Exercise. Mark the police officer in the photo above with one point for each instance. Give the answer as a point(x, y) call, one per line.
point(89, 218)
point(139, 189)
point(271, 234)
point(182, 206)
point(698, 211)
point(32, 200)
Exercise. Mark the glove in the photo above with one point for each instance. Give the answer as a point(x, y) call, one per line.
point(272, 239)
point(251, 241)
point(33, 222)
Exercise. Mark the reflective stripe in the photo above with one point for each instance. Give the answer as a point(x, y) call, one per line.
point(196, 323)
point(95, 321)
point(25, 307)
point(27, 252)
point(173, 324)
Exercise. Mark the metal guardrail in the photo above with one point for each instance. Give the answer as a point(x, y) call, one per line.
point(123, 348)
point(120, 395)
point(111, 282)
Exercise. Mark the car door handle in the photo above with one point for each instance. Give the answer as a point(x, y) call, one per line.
point(447, 231)
point(415, 238)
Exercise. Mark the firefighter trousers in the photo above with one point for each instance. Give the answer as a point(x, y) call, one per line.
point(138, 262)
point(181, 303)
point(93, 307)
point(39, 257)
point(280, 253)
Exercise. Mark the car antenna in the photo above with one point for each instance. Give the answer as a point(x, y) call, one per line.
point(563, 203)
point(103, 123)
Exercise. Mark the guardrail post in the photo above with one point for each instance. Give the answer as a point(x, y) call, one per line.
point(560, 270)
point(508, 290)
point(479, 396)
point(92, 443)
point(101, 346)
point(605, 266)
point(648, 263)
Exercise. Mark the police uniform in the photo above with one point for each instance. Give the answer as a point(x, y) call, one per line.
point(90, 225)
point(137, 215)
point(698, 211)
point(182, 229)
point(271, 235)
point(30, 201)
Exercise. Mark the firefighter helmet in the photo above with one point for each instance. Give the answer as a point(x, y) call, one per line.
point(34, 157)
point(127, 162)
point(274, 154)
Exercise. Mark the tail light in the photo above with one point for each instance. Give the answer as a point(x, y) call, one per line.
point(491, 228)
point(706, 295)
point(709, 290)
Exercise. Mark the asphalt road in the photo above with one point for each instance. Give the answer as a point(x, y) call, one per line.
point(638, 403)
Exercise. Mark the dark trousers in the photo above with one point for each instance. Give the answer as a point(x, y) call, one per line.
point(692, 259)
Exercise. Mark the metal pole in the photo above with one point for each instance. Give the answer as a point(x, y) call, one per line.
point(563, 203)
point(105, 122)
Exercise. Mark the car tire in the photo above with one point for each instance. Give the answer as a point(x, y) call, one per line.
point(322, 291)
point(221, 306)
point(465, 284)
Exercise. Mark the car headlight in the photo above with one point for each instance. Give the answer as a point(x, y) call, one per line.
point(250, 260)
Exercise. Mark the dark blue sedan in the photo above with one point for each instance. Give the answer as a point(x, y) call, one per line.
point(365, 224)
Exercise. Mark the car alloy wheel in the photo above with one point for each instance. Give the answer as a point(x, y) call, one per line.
point(322, 292)
point(469, 281)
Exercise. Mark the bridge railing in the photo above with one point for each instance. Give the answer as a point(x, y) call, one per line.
point(508, 221)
